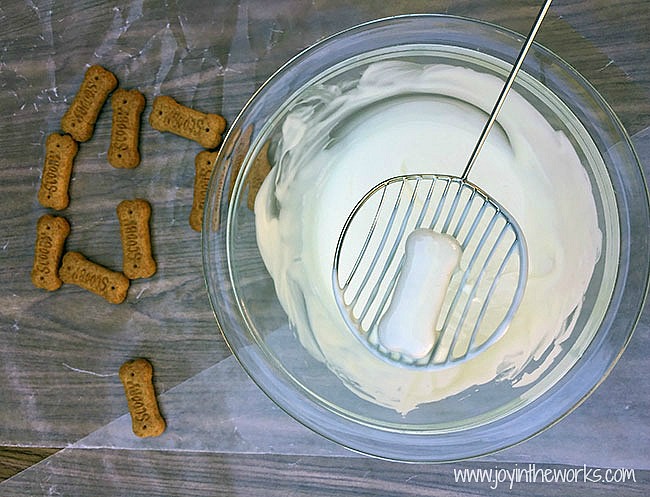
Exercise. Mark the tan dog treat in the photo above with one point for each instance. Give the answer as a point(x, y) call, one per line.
point(79, 120)
point(203, 165)
point(78, 270)
point(60, 151)
point(258, 170)
point(219, 191)
point(136, 376)
point(51, 232)
point(125, 131)
point(169, 115)
point(134, 218)
point(258, 173)
point(241, 148)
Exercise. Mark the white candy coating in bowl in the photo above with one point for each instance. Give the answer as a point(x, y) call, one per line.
point(410, 95)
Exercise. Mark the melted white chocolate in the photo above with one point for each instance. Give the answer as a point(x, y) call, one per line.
point(423, 119)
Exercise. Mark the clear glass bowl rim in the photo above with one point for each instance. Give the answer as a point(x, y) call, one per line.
point(555, 404)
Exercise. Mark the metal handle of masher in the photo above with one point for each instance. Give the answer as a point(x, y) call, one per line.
point(506, 88)
point(518, 244)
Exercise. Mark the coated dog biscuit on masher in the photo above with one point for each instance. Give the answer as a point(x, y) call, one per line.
point(137, 376)
point(78, 270)
point(79, 120)
point(127, 108)
point(169, 115)
point(137, 261)
point(203, 165)
point(51, 232)
point(60, 151)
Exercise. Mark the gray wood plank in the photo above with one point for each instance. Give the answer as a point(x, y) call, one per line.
point(143, 473)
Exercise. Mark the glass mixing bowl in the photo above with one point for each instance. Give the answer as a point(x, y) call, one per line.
point(487, 417)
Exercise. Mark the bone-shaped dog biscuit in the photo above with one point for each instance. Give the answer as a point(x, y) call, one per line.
point(258, 173)
point(51, 232)
point(203, 165)
point(80, 118)
point(78, 270)
point(60, 151)
point(137, 376)
point(169, 115)
point(127, 108)
point(137, 261)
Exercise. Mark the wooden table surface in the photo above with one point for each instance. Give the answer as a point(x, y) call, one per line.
point(61, 402)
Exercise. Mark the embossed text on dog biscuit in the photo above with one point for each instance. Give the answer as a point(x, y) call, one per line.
point(137, 376)
point(127, 108)
point(79, 120)
point(134, 216)
point(203, 165)
point(78, 270)
point(169, 115)
point(51, 232)
point(60, 151)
